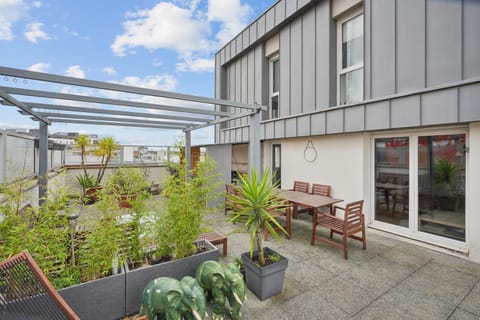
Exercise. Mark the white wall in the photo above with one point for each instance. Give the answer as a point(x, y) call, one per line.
point(473, 200)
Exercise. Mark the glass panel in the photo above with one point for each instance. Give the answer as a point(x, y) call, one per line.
point(276, 164)
point(351, 86)
point(275, 107)
point(441, 185)
point(276, 76)
point(391, 180)
point(352, 42)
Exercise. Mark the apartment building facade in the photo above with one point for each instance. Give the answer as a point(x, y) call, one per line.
point(378, 98)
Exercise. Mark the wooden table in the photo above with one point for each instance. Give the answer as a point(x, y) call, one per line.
point(313, 201)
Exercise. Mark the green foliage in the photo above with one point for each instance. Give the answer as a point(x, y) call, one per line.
point(445, 174)
point(187, 202)
point(254, 200)
point(82, 143)
point(86, 181)
point(105, 149)
point(126, 181)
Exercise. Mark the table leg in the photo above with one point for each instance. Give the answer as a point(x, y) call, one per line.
point(314, 225)
point(288, 222)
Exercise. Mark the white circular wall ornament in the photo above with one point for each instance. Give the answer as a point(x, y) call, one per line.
point(310, 153)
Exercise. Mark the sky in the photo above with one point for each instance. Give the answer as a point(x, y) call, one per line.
point(166, 45)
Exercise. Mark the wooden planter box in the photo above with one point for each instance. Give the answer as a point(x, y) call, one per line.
point(136, 280)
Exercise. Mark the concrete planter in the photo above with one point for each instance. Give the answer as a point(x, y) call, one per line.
point(98, 299)
point(137, 279)
point(264, 282)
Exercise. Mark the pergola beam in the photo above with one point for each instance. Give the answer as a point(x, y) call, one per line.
point(114, 123)
point(8, 98)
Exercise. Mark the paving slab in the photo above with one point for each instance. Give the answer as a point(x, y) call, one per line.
point(472, 301)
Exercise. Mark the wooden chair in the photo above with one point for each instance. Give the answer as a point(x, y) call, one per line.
point(322, 190)
point(352, 223)
point(280, 212)
point(26, 293)
point(229, 205)
point(300, 186)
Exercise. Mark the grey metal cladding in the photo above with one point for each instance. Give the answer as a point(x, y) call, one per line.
point(335, 121)
point(259, 75)
point(269, 130)
point(444, 42)
point(322, 55)
point(279, 129)
point(270, 19)
point(405, 112)
point(238, 135)
point(251, 76)
point(469, 109)
point(290, 7)
point(440, 107)
point(245, 39)
point(367, 59)
point(285, 78)
point(295, 67)
point(471, 43)
point(308, 62)
point(377, 115)
point(410, 45)
point(260, 27)
point(291, 127)
point(279, 12)
point(253, 33)
point(303, 126)
point(302, 3)
point(318, 123)
point(354, 119)
point(383, 48)
point(245, 133)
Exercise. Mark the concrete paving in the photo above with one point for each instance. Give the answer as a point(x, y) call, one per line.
point(392, 279)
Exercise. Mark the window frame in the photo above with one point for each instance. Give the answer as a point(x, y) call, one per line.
point(341, 71)
point(272, 94)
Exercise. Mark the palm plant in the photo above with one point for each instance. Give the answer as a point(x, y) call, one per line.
point(105, 149)
point(82, 143)
point(254, 201)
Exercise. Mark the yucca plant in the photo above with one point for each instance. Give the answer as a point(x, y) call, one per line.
point(254, 201)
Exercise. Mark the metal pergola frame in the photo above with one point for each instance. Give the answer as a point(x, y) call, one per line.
point(82, 111)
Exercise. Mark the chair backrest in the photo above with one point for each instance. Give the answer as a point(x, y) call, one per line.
point(301, 186)
point(321, 189)
point(26, 293)
point(353, 213)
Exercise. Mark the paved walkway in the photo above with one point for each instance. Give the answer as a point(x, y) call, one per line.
point(392, 279)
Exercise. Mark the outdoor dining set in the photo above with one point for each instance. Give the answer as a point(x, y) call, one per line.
point(318, 203)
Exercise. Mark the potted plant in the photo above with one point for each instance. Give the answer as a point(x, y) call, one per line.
point(87, 183)
point(127, 184)
point(264, 268)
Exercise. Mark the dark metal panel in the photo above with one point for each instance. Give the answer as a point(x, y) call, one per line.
point(410, 45)
point(355, 119)
point(439, 107)
point(303, 126)
point(280, 12)
point(469, 103)
point(383, 48)
point(308, 61)
point(261, 26)
point(291, 127)
point(284, 101)
point(318, 123)
point(377, 115)
point(269, 130)
point(279, 129)
point(290, 8)
point(367, 58)
point(245, 39)
point(405, 112)
point(251, 76)
point(444, 42)
point(296, 68)
point(270, 19)
point(335, 121)
point(253, 32)
point(471, 39)
point(322, 56)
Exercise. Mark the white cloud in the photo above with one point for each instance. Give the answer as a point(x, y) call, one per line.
point(110, 71)
point(40, 67)
point(164, 82)
point(196, 64)
point(165, 26)
point(232, 16)
point(75, 71)
point(11, 11)
point(36, 4)
point(35, 32)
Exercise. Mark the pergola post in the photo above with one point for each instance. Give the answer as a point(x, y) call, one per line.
point(42, 162)
point(254, 147)
point(188, 152)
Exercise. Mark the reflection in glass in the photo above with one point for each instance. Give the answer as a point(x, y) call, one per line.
point(352, 42)
point(392, 180)
point(274, 107)
point(276, 76)
point(351, 86)
point(441, 185)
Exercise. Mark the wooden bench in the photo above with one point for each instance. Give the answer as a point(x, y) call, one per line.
point(216, 238)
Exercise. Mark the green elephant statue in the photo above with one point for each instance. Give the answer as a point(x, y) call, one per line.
point(220, 282)
point(167, 298)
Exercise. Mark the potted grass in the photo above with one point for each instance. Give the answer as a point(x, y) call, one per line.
point(264, 268)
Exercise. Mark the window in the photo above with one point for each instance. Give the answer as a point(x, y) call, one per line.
point(274, 86)
point(277, 164)
point(350, 59)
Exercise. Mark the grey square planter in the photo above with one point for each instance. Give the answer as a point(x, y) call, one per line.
point(136, 280)
point(98, 299)
point(264, 282)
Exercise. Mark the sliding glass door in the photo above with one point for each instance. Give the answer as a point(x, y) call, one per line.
point(419, 184)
